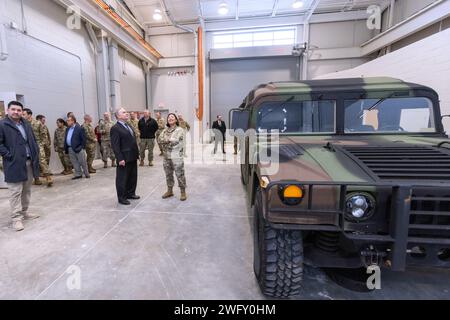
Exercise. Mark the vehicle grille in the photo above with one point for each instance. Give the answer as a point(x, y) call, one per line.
point(430, 214)
point(404, 162)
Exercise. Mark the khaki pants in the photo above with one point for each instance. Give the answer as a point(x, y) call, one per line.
point(147, 144)
point(20, 194)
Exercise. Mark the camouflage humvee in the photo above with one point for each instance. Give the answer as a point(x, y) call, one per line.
point(363, 177)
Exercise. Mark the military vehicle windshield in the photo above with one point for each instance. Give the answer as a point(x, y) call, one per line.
point(297, 116)
point(412, 115)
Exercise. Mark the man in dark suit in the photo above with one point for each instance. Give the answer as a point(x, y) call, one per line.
point(220, 129)
point(20, 154)
point(74, 146)
point(124, 145)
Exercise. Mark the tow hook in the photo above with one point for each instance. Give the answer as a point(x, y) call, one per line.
point(371, 256)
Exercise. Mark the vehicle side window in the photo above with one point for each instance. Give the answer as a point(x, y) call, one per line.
point(297, 116)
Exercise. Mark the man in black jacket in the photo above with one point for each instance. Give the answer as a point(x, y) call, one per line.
point(219, 129)
point(75, 145)
point(123, 143)
point(20, 154)
point(147, 127)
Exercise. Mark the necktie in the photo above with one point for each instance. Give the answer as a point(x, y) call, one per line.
point(129, 129)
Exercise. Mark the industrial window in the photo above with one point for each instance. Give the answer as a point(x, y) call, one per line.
point(254, 38)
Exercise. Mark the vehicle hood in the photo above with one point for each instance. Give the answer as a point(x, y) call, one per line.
point(359, 158)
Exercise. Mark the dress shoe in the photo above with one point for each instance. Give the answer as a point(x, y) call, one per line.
point(134, 197)
point(76, 178)
point(125, 202)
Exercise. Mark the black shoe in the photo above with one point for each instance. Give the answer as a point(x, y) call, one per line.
point(134, 197)
point(125, 202)
point(76, 178)
point(88, 177)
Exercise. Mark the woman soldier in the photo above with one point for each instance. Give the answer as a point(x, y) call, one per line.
point(171, 141)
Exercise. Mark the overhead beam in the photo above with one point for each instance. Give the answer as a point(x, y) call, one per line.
point(431, 14)
point(91, 12)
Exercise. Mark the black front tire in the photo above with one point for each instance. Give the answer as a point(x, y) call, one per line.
point(278, 256)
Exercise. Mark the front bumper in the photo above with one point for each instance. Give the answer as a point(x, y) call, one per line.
point(398, 228)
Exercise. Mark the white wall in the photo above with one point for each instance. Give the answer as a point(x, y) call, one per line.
point(425, 62)
point(56, 78)
point(333, 35)
point(174, 45)
point(132, 82)
point(176, 93)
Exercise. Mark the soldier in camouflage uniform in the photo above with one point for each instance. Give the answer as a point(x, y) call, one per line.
point(41, 139)
point(171, 140)
point(91, 142)
point(186, 127)
point(105, 129)
point(48, 140)
point(161, 126)
point(134, 124)
point(58, 144)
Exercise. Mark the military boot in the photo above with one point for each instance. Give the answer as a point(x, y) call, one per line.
point(113, 163)
point(168, 194)
point(49, 181)
point(150, 163)
point(91, 169)
point(183, 194)
point(105, 164)
point(141, 164)
point(37, 182)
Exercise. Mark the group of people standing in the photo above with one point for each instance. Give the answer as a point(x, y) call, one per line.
point(25, 145)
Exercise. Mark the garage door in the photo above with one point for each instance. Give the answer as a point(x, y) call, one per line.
point(231, 80)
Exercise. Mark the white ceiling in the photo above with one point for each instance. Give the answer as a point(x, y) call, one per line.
point(184, 11)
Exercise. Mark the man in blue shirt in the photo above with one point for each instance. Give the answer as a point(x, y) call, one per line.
point(75, 145)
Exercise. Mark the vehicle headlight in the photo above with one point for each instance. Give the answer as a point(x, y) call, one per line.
point(291, 194)
point(359, 206)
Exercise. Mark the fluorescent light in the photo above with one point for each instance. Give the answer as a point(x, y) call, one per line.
point(298, 4)
point(223, 8)
point(157, 15)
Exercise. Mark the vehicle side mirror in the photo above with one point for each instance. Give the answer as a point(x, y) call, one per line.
point(238, 119)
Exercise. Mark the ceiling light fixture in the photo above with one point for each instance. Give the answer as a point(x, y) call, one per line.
point(223, 8)
point(297, 4)
point(157, 15)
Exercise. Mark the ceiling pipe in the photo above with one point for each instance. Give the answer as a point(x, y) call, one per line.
point(172, 20)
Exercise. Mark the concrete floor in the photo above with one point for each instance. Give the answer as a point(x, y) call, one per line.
point(157, 249)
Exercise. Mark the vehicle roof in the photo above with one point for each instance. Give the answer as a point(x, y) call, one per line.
point(344, 84)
